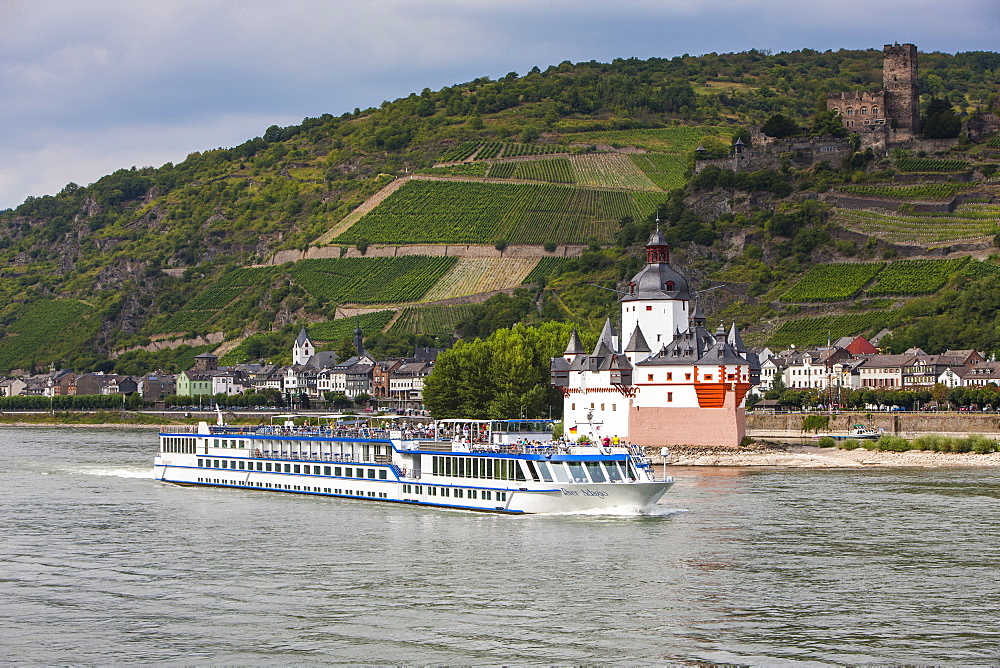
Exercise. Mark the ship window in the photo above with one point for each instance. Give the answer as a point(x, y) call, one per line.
point(543, 469)
point(381, 474)
point(336, 471)
point(297, 469)
point(349, 472)
point(445, 491)
point(614, 474)
point(501, 496)
point(518, 471)
point(217, 464)
point(326, 470)
point(216, 442)
point(577, 472)
point(472, 493)
point(200, 463)
point(559, 471)
point(241, 466)
point(371, 473)
point(596, 474)
point(447, 466)
point(533, 471)
point(458, 493)
point(260, 466)
point(487, 495)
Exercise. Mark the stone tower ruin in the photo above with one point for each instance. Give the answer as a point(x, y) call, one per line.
point(891, 114)
point(902, 87)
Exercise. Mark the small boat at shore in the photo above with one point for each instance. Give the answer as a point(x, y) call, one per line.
point(500, 466)
point(861, 431)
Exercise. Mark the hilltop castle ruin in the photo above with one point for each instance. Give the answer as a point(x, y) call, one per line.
point(893, 112)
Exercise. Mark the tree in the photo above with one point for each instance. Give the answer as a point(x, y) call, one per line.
point(780, 126)
point(827, 122)
point(941, 121)
point(505, 376)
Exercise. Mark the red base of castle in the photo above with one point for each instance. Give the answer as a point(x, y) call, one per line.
point(663, 427)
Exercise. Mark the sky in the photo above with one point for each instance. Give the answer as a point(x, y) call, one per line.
point(91, 86)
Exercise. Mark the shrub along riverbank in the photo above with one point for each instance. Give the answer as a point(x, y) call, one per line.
point(976, 443)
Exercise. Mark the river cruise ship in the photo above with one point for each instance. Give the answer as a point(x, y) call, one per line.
point(503, 466)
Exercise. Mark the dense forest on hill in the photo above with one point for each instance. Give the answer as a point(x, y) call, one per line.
point(141, 252)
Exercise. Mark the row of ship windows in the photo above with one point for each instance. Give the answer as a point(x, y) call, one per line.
point(178, 444)
point(476, 467)
point(564, 472)
point(456, 492)
point(267, 467)
point(295, 488)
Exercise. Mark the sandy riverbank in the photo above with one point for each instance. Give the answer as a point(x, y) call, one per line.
point(809, 456)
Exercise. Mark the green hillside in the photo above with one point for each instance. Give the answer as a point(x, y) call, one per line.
point(586, 154)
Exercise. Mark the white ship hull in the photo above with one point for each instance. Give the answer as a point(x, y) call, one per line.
point(505, 480)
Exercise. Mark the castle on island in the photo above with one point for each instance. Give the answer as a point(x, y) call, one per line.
point(673, 383)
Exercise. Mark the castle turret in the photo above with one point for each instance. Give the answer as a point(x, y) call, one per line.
point(658, 296)
point(902, 86)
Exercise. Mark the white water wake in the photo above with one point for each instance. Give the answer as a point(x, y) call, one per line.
point(121, 472)
point(627, 511)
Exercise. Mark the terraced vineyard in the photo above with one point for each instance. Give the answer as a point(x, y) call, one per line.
point(678, 139)
point(915, 277)
point(430, 320)
point(334, 330)
point(516, 150)
point(246, 276)
point(475, 169)
point(930, 165)
point(182, 321)
point(968, 221)
point(376, 280)
point(665, 170)
point(461, 152)
point(926, 191)
point(474, 275)
point(804, 332)
point(54, 327)
point(466, 212)
point(832, 282)
point(546, 268)
point(610, 170)
point(553, 170)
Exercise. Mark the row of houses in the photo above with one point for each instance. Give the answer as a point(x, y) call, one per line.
point(396, 383)
point(853, 362)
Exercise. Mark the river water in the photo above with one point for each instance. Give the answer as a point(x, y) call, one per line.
point(99, 564)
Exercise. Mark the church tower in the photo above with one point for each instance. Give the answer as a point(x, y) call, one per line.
point(303, 349)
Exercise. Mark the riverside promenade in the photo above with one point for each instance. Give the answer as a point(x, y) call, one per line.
point(907, 424)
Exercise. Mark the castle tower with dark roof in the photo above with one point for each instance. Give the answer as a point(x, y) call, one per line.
point(674, 383)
